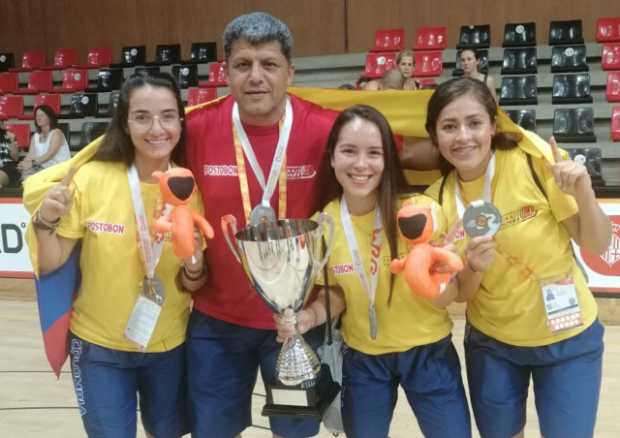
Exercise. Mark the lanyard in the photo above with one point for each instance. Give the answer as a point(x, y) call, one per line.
point(151, 252)
point(277, 173)
point(486, 194)
point(369, 286)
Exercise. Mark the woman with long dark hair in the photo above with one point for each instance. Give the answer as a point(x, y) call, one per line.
point(129, 319)
point(530, 313)
point(393, 337)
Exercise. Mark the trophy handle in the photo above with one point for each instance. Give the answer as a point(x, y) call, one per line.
point(324, 218)
point(229, 222)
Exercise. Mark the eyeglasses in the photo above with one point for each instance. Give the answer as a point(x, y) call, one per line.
point(144, 121)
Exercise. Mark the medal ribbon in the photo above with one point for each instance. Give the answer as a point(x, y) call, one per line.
point(369, 286)
point(277, 173)
point(486, 194)
point(151, 252)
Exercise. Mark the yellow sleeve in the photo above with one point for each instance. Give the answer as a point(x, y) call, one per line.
point(73, 225)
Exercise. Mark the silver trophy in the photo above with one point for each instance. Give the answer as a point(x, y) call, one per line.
point(282, 259)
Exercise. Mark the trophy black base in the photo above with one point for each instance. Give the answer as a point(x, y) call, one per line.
point(297, 401)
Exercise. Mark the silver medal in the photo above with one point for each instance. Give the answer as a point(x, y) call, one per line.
point(481, 219)
point(372, 314)
point(261, 214)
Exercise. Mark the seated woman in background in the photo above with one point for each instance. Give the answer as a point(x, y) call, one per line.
point(530, 313)
point(48, 145)
point(9, 154)
point(470, 63)
point(404, 62)
point(393, 336)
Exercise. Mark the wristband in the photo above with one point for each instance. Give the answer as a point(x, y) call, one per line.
point(41, 224)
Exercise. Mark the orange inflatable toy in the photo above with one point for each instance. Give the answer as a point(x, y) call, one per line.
point(416, 225)
point(176, 186)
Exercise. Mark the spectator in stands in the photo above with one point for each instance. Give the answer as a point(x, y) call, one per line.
point(102, 207)
point(519, 281)
point(366, 188)
point(470, 63)
point(392, 79)
point(404, 61)
point(48, 145)
point(231, 331)
point(9, 155)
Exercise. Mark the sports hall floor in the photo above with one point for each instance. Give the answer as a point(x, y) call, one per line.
point(34, 404)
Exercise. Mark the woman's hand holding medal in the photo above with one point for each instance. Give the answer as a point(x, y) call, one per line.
point(481, 252)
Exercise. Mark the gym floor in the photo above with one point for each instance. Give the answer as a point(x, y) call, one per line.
point(34, 404)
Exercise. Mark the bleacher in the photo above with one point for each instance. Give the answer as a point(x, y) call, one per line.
point(85, 95)
point(557, 87)
point(87, 105)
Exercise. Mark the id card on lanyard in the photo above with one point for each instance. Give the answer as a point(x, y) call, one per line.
point(369, 286)
point(151, 295)
point(561, 304)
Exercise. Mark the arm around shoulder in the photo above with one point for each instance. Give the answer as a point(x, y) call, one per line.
point(419, 154)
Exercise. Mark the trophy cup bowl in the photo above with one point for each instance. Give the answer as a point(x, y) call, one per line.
point(282, 259)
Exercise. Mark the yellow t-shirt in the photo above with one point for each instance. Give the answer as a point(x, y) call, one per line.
point(102, 216)
point(509, 305)
point(407, 322)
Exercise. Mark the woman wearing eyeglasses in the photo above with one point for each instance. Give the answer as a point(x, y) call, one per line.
point(130, 315)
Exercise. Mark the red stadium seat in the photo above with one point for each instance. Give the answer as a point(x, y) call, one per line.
point(39, 81)
point(217, 76)
point(428, 64)
point(11, 107)
point(8, 82)
point(431, 38)
point(98, 57)
point(389, 40)
point(378, 63)
point(22, 133)
point(51, 100)
point(613, 86)
point(608, 29)
point(73, 80)
point(32, 60)
point(615, 124)
point(197, 95)
point(64, 58)
point(610, 58)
